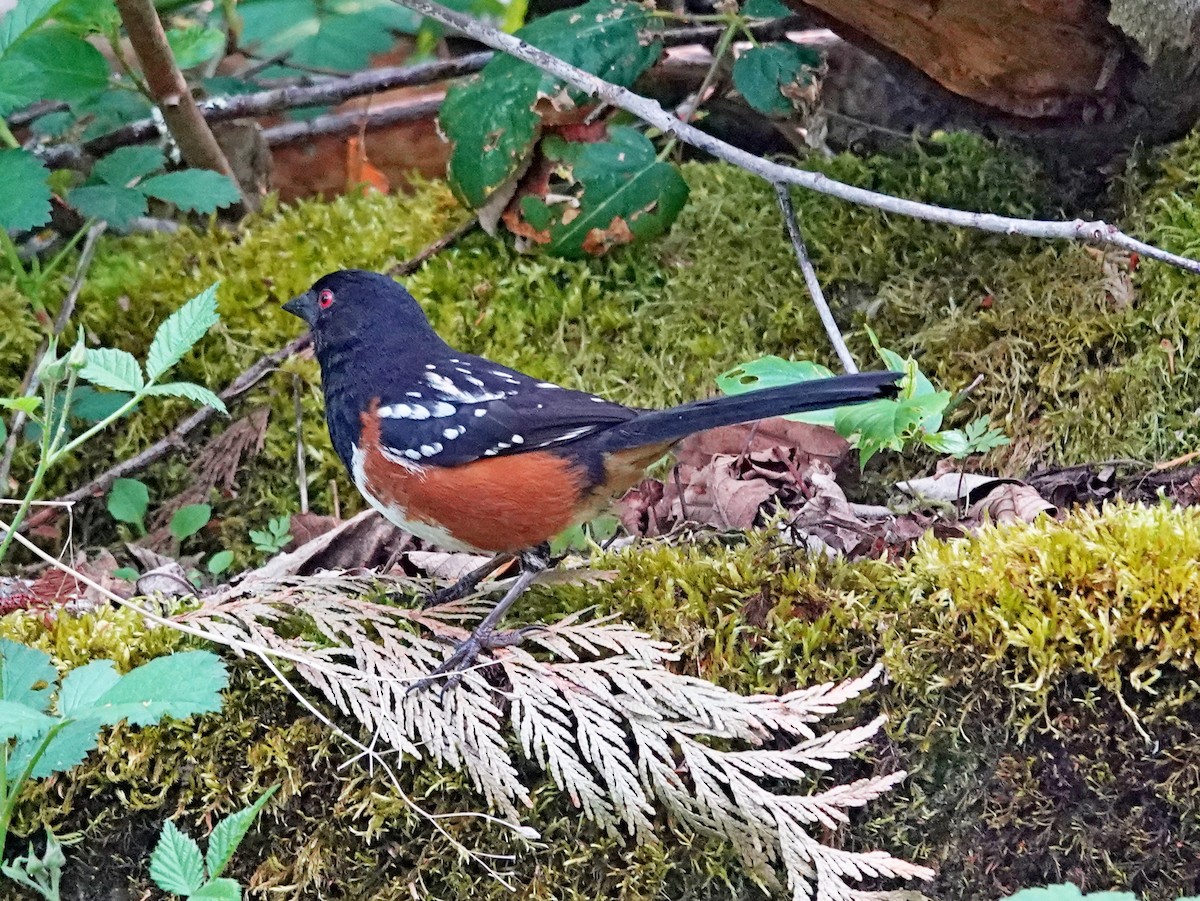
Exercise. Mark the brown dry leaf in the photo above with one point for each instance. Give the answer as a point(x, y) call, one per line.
point(360, 171)
point(803, 441)
point(717, 496)
point(442, 565)
point(601, 240)
point(1012, 503)
point(827, 516)
point(307, 526)
point(366, 541)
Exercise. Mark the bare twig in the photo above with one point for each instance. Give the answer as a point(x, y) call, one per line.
point(171, 93)
point(784, 195)
point(174, 441)
point(29, 385)
point(346, 123)
point(408, 267)
point(301, 473)
point(649, 111)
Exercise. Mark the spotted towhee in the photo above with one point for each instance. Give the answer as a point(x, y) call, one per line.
point(474, 456)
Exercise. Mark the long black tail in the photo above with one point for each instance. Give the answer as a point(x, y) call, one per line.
point(656, 426)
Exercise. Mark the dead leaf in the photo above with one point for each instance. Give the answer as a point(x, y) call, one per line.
point(1012, 503)
point(600, 240)
point(366, 541)
point(953, 486)
point(359, 170)
point(442, 565)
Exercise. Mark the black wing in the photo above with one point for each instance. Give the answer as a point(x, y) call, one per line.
point(467, 408)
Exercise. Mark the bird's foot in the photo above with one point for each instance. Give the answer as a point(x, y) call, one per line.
point(465, 655)
point(467, 584)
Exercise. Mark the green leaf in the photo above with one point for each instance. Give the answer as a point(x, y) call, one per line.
point(219, 890)
point(176, 865)
point(490, 119)
point(22, 722)
point(189, 520)
point(112, 368)
point(181, 330)
point(88, 16)
point(774, 372)
point(219, 562)
point(52, 125)
point(762, 73)
point(25, 200)
point(83, 686)
point(69, 747)
point(178, 685)
point(195, 45)
point(627, 194)
point(116, 206)
point(110, 110)
point(27, 675)
point(228, 834)
point(765, 9)
point(27, 404)
point(128, 573)
point(881, 424)
point(125, 165)
point(25, 16)
point(195, 190)
point(335, 34)
point(128, 500)
point(91, 405)
point(1068, 892)
point(192, 392)
point(68, 67)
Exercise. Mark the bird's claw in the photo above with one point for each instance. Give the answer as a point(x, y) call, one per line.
point(451, 671)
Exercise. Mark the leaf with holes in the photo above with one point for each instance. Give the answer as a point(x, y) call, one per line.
point(774, 372)
point(112, 368)
point(767, 76)
point(181, 330)
point(25, 199)
point(493, 119)
point(624, 193)
point(194, 190)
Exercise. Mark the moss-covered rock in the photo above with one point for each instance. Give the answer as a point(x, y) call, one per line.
point(1025, 666)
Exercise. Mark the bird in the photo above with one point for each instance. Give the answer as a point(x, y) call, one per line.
point(473, 456)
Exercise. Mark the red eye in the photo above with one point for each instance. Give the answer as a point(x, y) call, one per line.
point(325, 299)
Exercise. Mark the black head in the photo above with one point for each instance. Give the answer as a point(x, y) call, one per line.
point(352, 304)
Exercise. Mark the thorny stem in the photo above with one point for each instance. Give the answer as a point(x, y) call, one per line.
point(784, 195)
point(1094, 232)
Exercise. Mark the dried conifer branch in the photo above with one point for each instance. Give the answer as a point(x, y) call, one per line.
point(784, 195)
point(649, 111)
point(595, 706)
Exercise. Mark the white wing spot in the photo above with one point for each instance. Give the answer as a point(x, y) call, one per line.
point(416, 394)
point(481, 412)
point(547, 385)
point(452, 433)
point(430, 366)
point(412, 454)
point(451, 391)
point(598, 400)
point(428, 450)
point(442, 409)
point(490, 452)
point(478, 383)
point(517, 439)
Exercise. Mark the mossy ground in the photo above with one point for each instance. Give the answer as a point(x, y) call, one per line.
point(1010, 656)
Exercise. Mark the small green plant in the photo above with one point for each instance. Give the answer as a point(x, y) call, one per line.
point(114, 370)
point(274, 538)
point(177, 866)
point(48, 726)
point(128, 501)
point(915, 415)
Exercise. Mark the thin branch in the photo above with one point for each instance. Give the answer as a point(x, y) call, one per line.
point(784, 195)
point(649, 111)
point(355, 120)
point(171, 93)
point(408, 267)
point(29, 385)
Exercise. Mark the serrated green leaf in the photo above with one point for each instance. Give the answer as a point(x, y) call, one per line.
point(490, 119)
point(126, 164)
point(128, 500)
point(25, 200)
point(228, 834)
point(116, 206)
point(69, 747)
point(84, 685)
point(189, 520)
point(110, 110)
point(194, 190)
point(25, 16)
point(88, 16)
point(881, 424)
point(219, 562)
point(192, 392)
point(761, 73)
point(26, 405)
point(68, 67)
point(334, 34)
point(109, 367)
point(627, 194)
point(765, 9)
point(52, 125)
point(774, 372)
point(195, 45)
point(219, 890)
point(178, 685)
point(181, 330)
point(176, 865)
point(22, 722)
point(27, 676)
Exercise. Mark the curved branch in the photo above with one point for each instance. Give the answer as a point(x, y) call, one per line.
point(649, 111)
